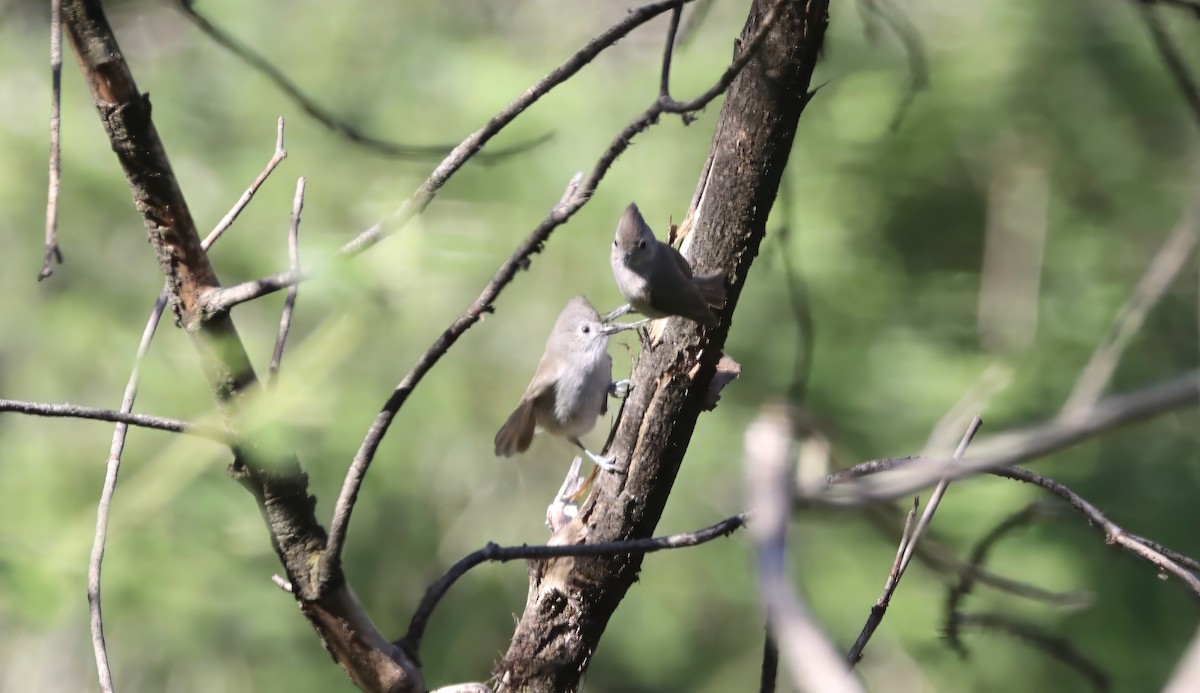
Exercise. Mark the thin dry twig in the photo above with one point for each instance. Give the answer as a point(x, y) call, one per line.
point(501, 554)
point(417, 202)
point(53, 252)
point(1159, 274)
point(1114, 534)
point(276, 158)
point(1157, 555)
point(324, 116)
point(520, 259)
point(289, 303)
point(113, 464)
point(77, 411)
point(807, 653)
point(904, 553)
point(908, 475)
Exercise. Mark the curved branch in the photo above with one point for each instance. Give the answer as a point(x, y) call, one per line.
point(577, 196)
point(226, 298)
point(323, 115)
point(501, 554)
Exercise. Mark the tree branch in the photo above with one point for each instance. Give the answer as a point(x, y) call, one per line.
point(503, 554)
point(1155, 280)
point(289, 303)
point(416, 203)
point(323, 115)
point(1113, 533)
point(578, 195)
point(570, 600)
point(113, 465)
point(906, 475)
point(52, 252)
point(904, 553)
point(278, 484)
point(77, 411)
point(768, 468)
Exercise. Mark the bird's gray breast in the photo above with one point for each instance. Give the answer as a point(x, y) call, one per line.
point(580, 394)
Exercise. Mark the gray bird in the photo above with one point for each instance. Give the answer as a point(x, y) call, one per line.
point(570, 387)
point(656, 279)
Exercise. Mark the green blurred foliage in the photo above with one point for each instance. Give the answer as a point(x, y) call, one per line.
point(889, 233)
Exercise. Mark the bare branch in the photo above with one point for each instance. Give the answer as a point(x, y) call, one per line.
point(664, 83)
point(904, 554)
point(53, 252)
point(564, 210)
point(96, 561)
point(1159, 274)
point(113, 468)
point(417, 202)
point(76, 411)
point(227, 220)
point(1113, 533)
point(285, 318)
point(323, 115)
point(905, 476)
point(767, 463)
point(502, 554)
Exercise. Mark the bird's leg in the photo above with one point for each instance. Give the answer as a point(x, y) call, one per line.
point(616, 313)
point(608, 464)
point(616, 327)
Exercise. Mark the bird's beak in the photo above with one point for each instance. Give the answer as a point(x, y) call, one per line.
point(611, 329)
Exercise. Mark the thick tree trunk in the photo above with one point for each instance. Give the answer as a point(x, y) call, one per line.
point(571, 599)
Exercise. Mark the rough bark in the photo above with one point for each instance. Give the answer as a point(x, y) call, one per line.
point(571, 599)
point(279, 485)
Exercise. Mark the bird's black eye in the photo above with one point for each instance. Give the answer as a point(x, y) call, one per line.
point(614, 244)
point(586, 329)
point(641, 244)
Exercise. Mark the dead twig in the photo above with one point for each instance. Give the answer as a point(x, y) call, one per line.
point(289, 303)
point(53, 253)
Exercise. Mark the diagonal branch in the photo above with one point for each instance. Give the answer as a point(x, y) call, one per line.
point(1155, 280)
point(579, 194)
point(113, 465)
point(289, 303)
point(908, 475)
point(416, 203)
point(277, 482)
point(323, 115)
point(571, 600)
point(904, 554)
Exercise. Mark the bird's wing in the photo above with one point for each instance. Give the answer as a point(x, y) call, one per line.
point(680, 261)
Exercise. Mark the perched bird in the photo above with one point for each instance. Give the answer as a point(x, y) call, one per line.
point(570, 387)
point(656, 280)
